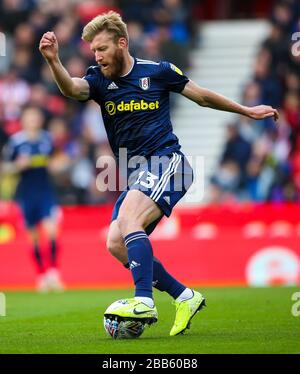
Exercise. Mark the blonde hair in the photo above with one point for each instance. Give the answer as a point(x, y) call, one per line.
point(111, 22)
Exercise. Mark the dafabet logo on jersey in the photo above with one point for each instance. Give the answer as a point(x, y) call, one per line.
point(131, 106)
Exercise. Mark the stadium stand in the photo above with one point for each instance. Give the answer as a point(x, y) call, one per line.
point(160, 30)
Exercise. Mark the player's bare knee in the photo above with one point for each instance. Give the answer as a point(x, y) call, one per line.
point(113, 246)
point(117, 249)
point(128, 224)
point(122, 222)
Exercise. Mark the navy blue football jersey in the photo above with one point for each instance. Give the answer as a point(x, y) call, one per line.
point(135, 107)
point(34, 180)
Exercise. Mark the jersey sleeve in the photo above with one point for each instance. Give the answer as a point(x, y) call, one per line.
point(49, 140)
point(173, 77)
point(9, 152)
point(94, 80)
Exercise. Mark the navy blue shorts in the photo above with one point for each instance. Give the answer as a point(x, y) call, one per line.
point(37, 208)
point(165, 179)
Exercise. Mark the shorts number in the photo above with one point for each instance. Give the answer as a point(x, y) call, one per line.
point(150, 179)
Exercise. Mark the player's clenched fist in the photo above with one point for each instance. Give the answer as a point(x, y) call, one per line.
point(49, 46)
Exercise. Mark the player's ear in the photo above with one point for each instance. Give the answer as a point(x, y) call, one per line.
point(123, 42)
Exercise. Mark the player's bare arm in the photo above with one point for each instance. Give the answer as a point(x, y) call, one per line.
point(22, 163)
point(75, 88)
point(207, 98)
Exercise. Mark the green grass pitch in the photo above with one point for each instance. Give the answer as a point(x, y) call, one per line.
point(236, 320)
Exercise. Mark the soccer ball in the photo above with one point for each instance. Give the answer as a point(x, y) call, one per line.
point(118, 328)
point(121, 327)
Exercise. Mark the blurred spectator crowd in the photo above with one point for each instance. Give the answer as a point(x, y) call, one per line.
point(261, 159)
point(158, 29)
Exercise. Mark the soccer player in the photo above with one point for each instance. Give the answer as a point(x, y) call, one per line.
point(134, 98)
point(27, 153)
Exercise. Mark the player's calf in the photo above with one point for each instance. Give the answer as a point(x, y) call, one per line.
point(115, 244)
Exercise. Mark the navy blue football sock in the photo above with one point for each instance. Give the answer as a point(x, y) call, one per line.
point(37, 257)
point(140, 257)
point(164, 281)
point(53, 251)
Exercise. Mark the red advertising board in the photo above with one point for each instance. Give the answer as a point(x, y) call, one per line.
point(229, 245)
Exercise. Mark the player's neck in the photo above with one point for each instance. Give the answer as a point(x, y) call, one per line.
point(129, 62)
point(32, 135)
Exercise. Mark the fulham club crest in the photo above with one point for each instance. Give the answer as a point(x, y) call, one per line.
point(145, 83)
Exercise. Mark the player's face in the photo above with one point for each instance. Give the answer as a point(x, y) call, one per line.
point(108, 55)
point(32, 120)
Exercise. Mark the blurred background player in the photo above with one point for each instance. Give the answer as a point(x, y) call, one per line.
point(27, 153)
